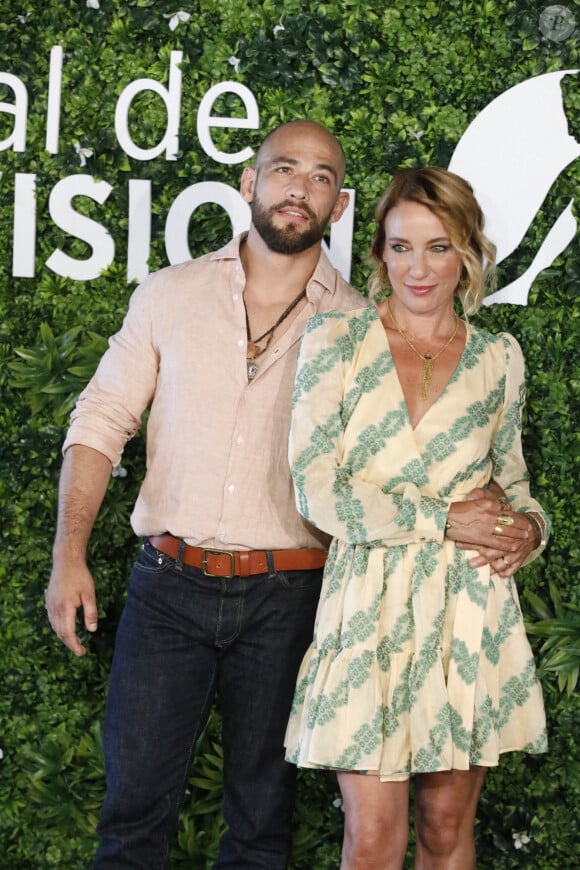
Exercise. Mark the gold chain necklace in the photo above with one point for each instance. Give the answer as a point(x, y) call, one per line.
point(253, 348)
point(428, 359)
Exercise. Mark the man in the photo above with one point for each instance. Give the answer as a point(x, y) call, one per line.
point(223, 596)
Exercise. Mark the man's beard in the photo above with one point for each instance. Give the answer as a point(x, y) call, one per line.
point(288, 239)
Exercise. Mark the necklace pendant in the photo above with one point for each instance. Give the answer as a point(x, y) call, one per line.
point(252, 350)
point(427, 373)
point(252, 367)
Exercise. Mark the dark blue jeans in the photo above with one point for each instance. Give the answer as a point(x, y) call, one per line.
point(182, 638)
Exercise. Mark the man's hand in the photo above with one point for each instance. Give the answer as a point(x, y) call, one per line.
point(71, 587)
point(502, 562)
point(83, 481)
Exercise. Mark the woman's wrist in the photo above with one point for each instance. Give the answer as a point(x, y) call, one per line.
point(539, 528)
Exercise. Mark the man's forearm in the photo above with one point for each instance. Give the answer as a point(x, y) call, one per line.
point(83, 483)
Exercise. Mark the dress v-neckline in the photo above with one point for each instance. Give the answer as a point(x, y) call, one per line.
point(443, 391)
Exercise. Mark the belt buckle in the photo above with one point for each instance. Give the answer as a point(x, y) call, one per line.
point(208, 551)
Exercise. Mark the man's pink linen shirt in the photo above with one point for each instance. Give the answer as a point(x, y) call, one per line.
point(217, 445)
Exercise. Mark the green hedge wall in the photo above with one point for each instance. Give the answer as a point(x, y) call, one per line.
point(399, 83)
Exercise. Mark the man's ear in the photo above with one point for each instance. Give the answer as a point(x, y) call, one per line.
point(247, 183)
point(339, 208)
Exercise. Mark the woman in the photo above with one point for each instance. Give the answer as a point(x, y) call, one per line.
point(403, 413)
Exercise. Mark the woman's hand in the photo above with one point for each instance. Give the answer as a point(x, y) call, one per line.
point(503, 537)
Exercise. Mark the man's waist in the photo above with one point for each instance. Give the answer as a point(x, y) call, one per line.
point(237, 563)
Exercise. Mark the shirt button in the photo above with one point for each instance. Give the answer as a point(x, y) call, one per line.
point(235, 297)
point(240, 439)
point(231, 488)
point(240, 342)
point(222, 537)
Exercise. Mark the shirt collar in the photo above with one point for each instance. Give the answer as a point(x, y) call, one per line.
point(324, 278)
point(231, 251)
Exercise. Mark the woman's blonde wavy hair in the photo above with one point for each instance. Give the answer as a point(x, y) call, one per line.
point(451, 198)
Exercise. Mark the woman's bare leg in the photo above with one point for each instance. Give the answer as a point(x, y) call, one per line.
point(376, 822)
point(445, 808)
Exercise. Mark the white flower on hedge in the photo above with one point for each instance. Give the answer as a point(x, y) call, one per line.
point(235, 62)
point(416, 135)
point(119, 471)
point(83, 153)
point(520, 840)
point(337, 802)
point(93, 4)
point(278, 28)
point(176, 17)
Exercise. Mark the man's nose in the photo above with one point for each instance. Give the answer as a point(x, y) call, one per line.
point(298, 186)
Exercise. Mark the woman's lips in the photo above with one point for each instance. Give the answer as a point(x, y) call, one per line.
point(420, 289)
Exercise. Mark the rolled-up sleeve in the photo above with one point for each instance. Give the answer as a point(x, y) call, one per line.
point(108, 412)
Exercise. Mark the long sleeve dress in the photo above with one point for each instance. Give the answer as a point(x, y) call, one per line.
point(419, 662)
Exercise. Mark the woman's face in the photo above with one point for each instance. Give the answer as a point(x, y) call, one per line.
point(423, 266)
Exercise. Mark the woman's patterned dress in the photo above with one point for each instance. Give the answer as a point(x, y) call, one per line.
point(419, 663)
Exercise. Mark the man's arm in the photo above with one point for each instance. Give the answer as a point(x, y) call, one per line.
point(83, 483)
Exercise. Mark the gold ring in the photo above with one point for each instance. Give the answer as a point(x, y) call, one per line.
point(503, 502)
point(498, 530)
point(505, 520)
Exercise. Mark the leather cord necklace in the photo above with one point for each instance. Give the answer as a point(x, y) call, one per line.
point(428, 359)
point(253, 349)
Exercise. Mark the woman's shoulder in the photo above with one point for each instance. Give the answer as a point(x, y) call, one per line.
point(501, 341)
point(334, 336)
point(355, 322)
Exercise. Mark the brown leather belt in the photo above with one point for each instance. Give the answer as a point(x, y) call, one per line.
point(237, 563)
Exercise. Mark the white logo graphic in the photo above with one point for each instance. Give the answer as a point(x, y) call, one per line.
point(512, 153)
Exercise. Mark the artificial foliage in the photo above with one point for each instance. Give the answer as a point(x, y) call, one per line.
point(399, 83)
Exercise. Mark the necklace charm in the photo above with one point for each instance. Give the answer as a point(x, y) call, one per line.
point(253, 349)
point(428, 358)
point(427, 372)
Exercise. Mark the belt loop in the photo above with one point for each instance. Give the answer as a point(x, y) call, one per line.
point(180, 554)
point(244, 563)
point(271, 567)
